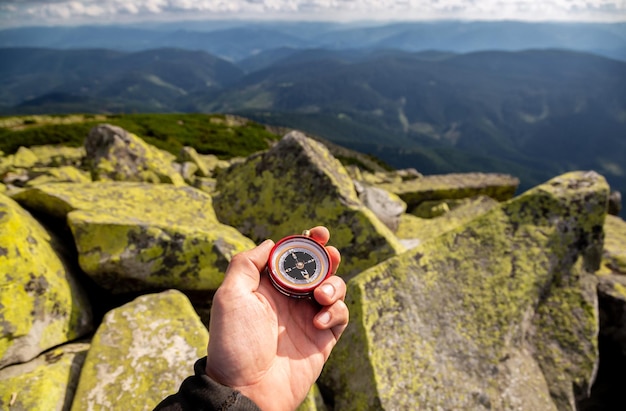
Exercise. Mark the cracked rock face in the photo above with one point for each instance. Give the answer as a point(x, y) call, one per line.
point(138, 236)
point(298, 184)
point(499, 313)
point(41, 303)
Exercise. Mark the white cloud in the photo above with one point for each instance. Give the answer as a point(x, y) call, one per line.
point(67, 11)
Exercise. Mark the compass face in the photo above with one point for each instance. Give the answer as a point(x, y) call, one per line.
point(297, 265)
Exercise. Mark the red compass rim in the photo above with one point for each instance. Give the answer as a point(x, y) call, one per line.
point(287, 288)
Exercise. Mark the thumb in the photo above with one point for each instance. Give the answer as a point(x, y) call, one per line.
point(244, 270)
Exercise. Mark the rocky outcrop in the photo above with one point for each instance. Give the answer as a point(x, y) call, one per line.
point(46, 383)
point(112, 153)
point(298, 184)
point(41, 303)
point(495, 308)
point(141, 353)
point(500, 187)
point(499, 313)
point(137, 236)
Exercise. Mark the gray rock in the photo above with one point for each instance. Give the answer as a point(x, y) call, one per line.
point(499, 313)
point(141, 353)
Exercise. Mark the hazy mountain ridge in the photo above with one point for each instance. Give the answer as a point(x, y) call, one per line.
point(533, 113)
point(239, 40)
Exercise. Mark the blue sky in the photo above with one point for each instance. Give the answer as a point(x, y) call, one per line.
point(36, 12)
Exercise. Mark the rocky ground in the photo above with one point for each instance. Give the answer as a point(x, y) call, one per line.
point(462, 295)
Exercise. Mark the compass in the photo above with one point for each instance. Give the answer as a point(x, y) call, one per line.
point(298, 264)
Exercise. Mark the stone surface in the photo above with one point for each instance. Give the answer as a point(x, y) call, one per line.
point(46, 383)
point(141, 353)
point(612, 293)
point(386, 206)
point(500, 187)
point(63, 174)
point(189, 154)
point(112, 153)
point(57, 156)
point(41, 305)
point(415, 230)
point(500, 313)
point(296, 185)
point(138, 236)
point(615, 203)
point(614, 254)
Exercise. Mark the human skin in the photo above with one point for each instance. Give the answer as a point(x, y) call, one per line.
point(269, 346)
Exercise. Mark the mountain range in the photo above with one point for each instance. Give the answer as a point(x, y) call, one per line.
point(237, 40)
point(533, 113)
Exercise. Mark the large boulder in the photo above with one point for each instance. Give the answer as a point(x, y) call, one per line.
point(46, 383)
point(499, 313)
point(298, 184)
point(139, 236)
point(141, 353)
point(41, 304)
point(112, 153)
point(500, 187)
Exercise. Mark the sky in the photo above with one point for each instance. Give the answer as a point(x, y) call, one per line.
point(16, 13)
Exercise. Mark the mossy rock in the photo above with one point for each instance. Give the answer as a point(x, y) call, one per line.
point(499, 313)
point(46, 383)
point(415, 230)
point(112, 153)
point(63, 174)
point(138, 236)
point(296, 185)
point(24, 158)
point(189, 154)
point(58, 156)
point(41, 304)
point(614, 255)
point(141, 353)
point(313, 401)
point(500, 187)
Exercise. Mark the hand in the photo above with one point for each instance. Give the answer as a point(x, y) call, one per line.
point(269, 346)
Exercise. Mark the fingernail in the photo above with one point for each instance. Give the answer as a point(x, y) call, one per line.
point(324, 317)
point(328, 290)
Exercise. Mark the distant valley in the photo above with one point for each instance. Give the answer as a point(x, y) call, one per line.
point(533, 113)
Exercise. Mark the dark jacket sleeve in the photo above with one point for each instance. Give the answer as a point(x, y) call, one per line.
point(199, 392)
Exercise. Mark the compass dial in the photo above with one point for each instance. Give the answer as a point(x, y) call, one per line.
point(297, 265)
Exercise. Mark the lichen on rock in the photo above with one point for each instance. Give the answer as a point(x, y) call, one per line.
point(138, 236)
point(500, 187)
point(141, 353)
point(41, 303)
point(614, 254)
point(483, 316)
point(46, 383)
point(296, 185)
point(112, 153)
